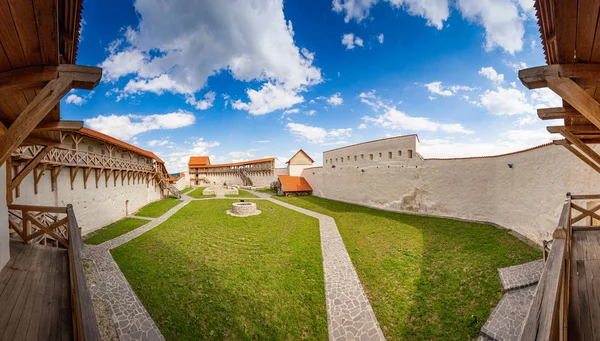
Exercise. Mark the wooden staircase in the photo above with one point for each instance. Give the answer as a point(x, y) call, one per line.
point(245, 178)
point(174, 191)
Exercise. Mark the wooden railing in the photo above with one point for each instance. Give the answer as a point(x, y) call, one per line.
point(39, 223)
point(85, 326)
point(548, 317)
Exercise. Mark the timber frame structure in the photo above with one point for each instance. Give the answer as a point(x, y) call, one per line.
point(566, 305)
point(200, 173)
point(38, 52)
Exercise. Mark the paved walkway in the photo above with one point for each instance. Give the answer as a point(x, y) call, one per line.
point(349, 313)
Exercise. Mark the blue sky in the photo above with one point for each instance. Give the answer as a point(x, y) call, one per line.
point(240, 79)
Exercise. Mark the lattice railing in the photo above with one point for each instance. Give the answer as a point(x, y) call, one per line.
point(44, 225)
point(74, 158)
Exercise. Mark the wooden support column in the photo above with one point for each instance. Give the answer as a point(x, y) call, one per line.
point(73, 173)
point(106, 176)
point(54, 176)
point(98, 174)
point(86, 175)
point(16, 186)
point(115, 177)
point(37, 176)
point(8, 168)
point(29, 167)
point(123, 177)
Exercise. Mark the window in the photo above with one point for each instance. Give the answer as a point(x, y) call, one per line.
point(399, 153)
point(325, 161)
point(371, 156)
point(355, 157)
point(410, 154)
point(380, 155)
point(362, 156)
point(342, 159)
point(348, 157)
point(389, 155)
point(336, 159)
point(90, 149)
point(330, 160)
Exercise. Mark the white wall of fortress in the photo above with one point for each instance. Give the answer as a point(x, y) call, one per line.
point(234, 179)
point(526, 198)
point(4, 239)
point(94, 207)
point(182, 183)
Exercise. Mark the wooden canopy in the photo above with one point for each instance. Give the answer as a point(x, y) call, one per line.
point(38, 50)
point(570, 34)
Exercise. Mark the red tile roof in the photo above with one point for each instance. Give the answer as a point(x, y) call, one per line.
point(198, 161)
point(294, 184)
point(173, 179)
point(243, 163)
point(109, 139)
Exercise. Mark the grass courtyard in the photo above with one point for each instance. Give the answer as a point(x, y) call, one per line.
point(205, 275)
point(158, 208)
point(114, 230)
point(197, 193)
point(425, 277)
point(241, 194)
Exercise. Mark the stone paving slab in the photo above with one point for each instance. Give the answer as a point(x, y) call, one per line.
point(506, 321)
point(522, 275)
point(349, 313)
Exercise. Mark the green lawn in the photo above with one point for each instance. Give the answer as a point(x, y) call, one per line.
point(205, 275)
point(197, 193)
point(267, 190)
point(241, 194)
point(158, 208)
point(114, 230)
point(425, 277)
point(185, 190)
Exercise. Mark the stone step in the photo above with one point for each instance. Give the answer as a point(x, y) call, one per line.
point(506, 321)
point(521, 276)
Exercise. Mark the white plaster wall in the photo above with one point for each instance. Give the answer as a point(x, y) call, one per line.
point(94, 207)
point(4, 238)
point(526, 198)
point(232, 180)
point(296, 170)
point(282, 170)
point(181, 183)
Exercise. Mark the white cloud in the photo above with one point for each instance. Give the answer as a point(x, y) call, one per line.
point(491, 74)
point(179, 44)
point(350, 41)
point(317, 134)
point(207, 102)
point(335, 99)
point(269, 98)
point(243, 155)
point(311, 113)
point(125, 127)
point(510, 141)
point(159, 143)
point(503, 101)
point(516, 66)
point(394, 119)
point(501, 20)
point(263, 141)
point(74, 99)
point(362, 126)
point(436, 88)
point(380, 38)
point(434, 11)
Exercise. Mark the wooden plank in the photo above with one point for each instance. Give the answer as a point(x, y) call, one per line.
point(557, 113)
point(589, 129)
point(574, 317)
point(63, 125)
point(19, 309)
point(590, 162)
point(587, 17)
point(10, 38)
point(10, 295)
point(46, 17)
point(593, 294)
point(28, 331)
point(24, 20)
point(537, 77)
point(33, 114)
point(38, 208)
point(565, 16)
point(47, 305)
point(27, 77)
point(576, 97)
point(585, 323)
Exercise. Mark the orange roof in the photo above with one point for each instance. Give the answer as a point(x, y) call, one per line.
point(294, 184)
point(198, 161)
point(303, 152)
point(109, 139)
point(243, 163)
point(172, 178)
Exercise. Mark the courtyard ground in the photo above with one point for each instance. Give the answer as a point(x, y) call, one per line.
point(185, 190)
point(203, 274)
point(114, 230)
point(241, 194)
point(158, 208)
point(425, 277)
point(197, 193)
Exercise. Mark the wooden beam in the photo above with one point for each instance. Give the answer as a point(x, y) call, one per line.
point(582, 147)
point(37, 176)
point(576, 97)
point(86, 175)
point(73, 174)
point(60, 126)
point(30, 141)
point(106, 176)
point(536, 77)
point(98, 174)
point(8, 168)
point(29, 167)
point(557, 113)
point(576, 129)
point(27, 77)
point(115, 177)
point(33, 114)
point(54, 173)
point(84, 77)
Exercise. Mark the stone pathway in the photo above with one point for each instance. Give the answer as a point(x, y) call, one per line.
point(131, 319)
point(519, 283)
point(349, 313)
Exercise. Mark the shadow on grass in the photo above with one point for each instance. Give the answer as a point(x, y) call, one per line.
point(425, 277)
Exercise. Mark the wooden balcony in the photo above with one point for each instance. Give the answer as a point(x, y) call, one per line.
point(43, 292)
point(566, 305)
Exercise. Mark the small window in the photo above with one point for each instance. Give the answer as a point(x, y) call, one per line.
point(399, 153)
point(355, 157)
point(371, 156)
point(330, 161)
point(325, 161)
point(336, 159)
point(389, 155)
point(380, 155)
point(362, 156)
point(410, 154)
point(342, 159)
point(348, 157)
point(90, 149)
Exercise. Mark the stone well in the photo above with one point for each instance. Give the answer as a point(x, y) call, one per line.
point(243, 209)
